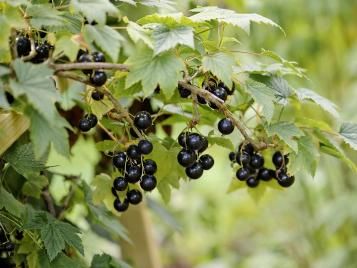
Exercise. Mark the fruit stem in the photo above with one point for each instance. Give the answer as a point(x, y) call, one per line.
point(89, 66)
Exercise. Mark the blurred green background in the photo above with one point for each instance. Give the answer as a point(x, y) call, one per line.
point(312, 224)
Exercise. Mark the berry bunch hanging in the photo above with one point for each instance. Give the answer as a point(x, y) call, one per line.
point(88, 122)
point(193, 145)
point(97, 77)
point(134, 169)
point(252, 169)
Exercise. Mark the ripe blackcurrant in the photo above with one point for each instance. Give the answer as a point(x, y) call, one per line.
point(242, 174)
point(121, 206)
point(133, 174)
point(134, 196)
point(204, 145)
point(84, 125)
point(145, 146)
point(182, 139)
point(278, 159)
point(43, 52)
point(150, 166)
point(194, 171)
point(220, 92)
point(84, 57)
point(206, 161)
point(186, 157)
point(148, 182)
point(184, 93)
point(42, 32)
point(225, 126)
point(232, 156)
point(98, 56)
point(98, 78)
point(93, 120)
point(96, 95)
point(119, 160)
point(142, 120)
point(248, 148)
point(284, 180)
point(256, 161)
point(243, 159)
point(194, 141)
point(252, 182)
point(201, 99)
point(23, 46)
point(120, 184)
point(264, 174)
point(133, 152)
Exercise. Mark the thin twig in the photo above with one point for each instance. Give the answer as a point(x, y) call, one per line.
point(46, 196)
point(89, 66)
point(108, 132)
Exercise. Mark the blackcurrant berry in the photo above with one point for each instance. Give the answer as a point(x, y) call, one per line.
point(184, 93)
point(194, 171)
point(278, 159)
point(9, 246)
point(133, 152)
point(84, 125)
point(194, 141)
point(96, 95)
point(142, 120)
point(225, 126)
point(119, 160)
point(23, 46)
point(182, 139)
point(243, 159)
point(284, 180)
point(98, 78)
point(42, 32)
point(242, 174)
point(121, 206)
point(114, 192)
point(252, 182)
point(134, 196)
point(220, 92)
point(120, 184)
point(248, 148)
point(84, 57)
point(264, 174)
point(204, 145)
point(150, 166)
point(256, 161)
point(148, 182)
point(186, 157)
point(201, 100)
point(206, 161)
point(43, 52)
point(232, 156)
point(93, 120)
point(133, 174)
point(145, 146)
point(98, 56)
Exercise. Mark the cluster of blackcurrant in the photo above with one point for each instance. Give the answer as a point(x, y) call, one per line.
point(23, 48)
point(193, 145)
point(252, 169)
point(134, 168)
point(88, 122)
point(6, 245)
point(98, 77)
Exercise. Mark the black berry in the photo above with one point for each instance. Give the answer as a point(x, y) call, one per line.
point(206, 161)
point(134, 196)
point(120, 184)
point(186, 157)
point(248, 148)
point(232, 156)
point(278, 159)
point(142, 120)
point(150, 166)
point(243, 159)
point(84, 57)
point(265, 174)
point(121, 206)
point(225, 126)
point(114, 192)
point(148, 182)
point(242, 174)
point(194, 171)
point(93, 120)
point(252, 182)
point(84, 125)
point(204, 145)
point(23, 46)
point(284, 180)
point(220, 92)
point(201, 100)
point(182, 139)
point(194, 141)
point(184, 93)
point(133, 152)
point(256, 161)
point(145, 146)
point(43, 52)
point(98, 78)
point(98, 56)
point(133, 174)
point(119, 160)
point(96, 95)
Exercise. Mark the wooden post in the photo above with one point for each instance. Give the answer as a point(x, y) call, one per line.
point(143, 251)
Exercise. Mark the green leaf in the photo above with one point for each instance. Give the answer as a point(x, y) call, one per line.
point(61, 261)
point(221, 141)
point(52, 239)
point(137, 33)
point(263, 95)
point(94, 10)
point(35, 82)
point(287, 132)
point(327, 105)
point(282, 89)
point(220, 64)
point(70, 235)
point(306, 159)
point(101, 261)
point(45, 133)
point(8, 202)
point(166, 38)
point(348, 131)
point(163, 69)
point(44, 15)
point(229, 16)
point(34, 185)
point(66, 46)
point(162, 4)
point(105, 38)
point(329, 146)
point(102, 190)
point(22, 158)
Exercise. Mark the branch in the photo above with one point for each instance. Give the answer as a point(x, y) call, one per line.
point(49, 202)
point(89, 66)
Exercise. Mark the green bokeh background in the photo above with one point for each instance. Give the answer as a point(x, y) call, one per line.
point(312, 224)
